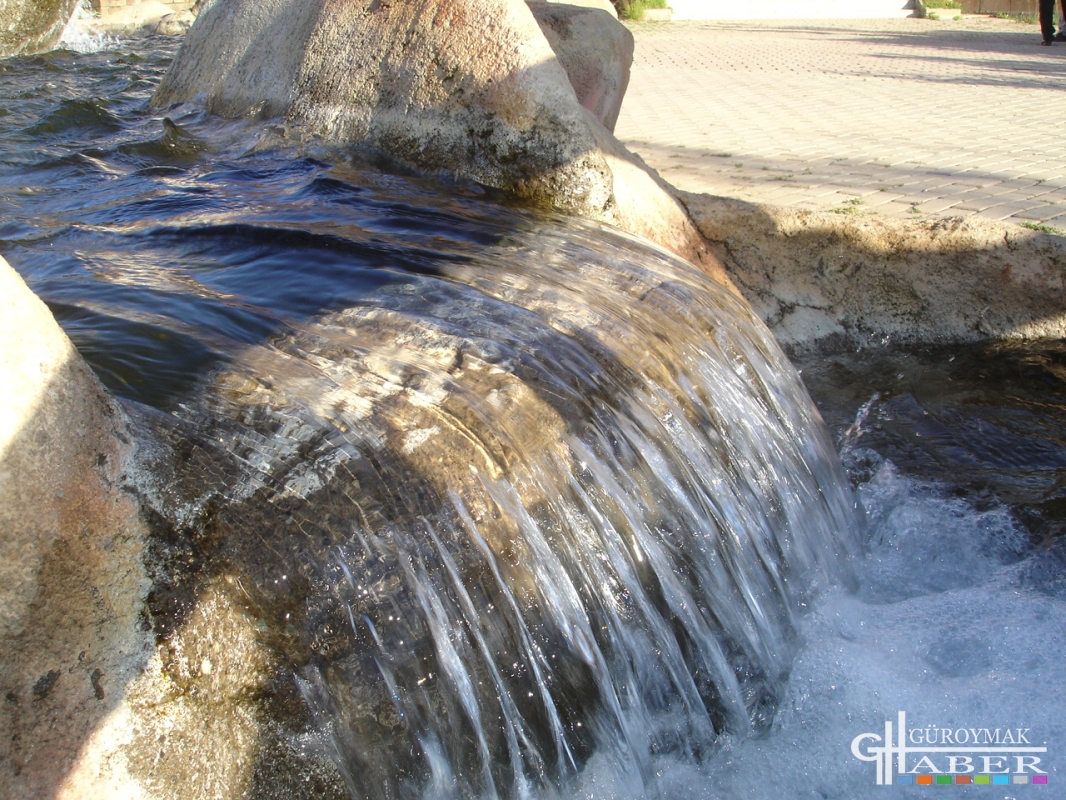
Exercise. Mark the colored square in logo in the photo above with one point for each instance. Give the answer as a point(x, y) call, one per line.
point(906, 780)
point(924, 780)
point(998, 779)
point(1042, 779)
point(985, 779)
point(1021, 779)
point(963, 779)
point(943, 779)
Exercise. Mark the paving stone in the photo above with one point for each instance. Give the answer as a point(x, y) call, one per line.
point(1038, 214)
point(940, 204)
point(958, 115)
point(1005, 211)
point(976, 206)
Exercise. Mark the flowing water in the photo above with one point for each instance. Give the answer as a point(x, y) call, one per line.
point(523, 506)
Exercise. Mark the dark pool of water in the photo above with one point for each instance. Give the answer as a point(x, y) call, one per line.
point(987, 420)
point(161, 245)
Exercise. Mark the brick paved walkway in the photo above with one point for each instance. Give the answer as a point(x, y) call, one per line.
point(905, 117)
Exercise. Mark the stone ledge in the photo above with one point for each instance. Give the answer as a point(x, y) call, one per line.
point(814, 275)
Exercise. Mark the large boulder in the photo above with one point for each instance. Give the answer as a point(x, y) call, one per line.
point(436, 83)
point(109, 688)
point(32, 26)
point(176, 24)
point(72, 576)
point(463, 87)
point(595, 50)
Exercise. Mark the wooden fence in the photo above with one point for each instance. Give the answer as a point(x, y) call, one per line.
point(999, 6)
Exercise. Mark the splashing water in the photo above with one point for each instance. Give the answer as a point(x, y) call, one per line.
point(80, 34)
point(562, 497)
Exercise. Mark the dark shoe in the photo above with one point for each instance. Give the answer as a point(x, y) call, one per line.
point(1060, 37)
point(1048, 42)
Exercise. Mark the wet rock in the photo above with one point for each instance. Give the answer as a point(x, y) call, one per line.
point(441, 84)
point(175, 24)
point(32, 26)
point(449, 86)
point(72, 579)
point(106, 694)
point(595, 50)
point(390, 470)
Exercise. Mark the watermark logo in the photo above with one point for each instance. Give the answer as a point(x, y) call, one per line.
point(951, 755)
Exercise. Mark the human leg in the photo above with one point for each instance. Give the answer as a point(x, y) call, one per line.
point(1047, 26)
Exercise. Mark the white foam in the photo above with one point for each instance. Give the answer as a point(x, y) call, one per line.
point(81, 35)
point(944, 627)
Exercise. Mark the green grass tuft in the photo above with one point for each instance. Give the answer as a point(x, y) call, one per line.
point(1028, 19)
point(1036, 226)
point(634, 9)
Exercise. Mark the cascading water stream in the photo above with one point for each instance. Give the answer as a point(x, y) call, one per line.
point(563, 496)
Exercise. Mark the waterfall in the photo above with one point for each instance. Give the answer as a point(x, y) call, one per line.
point(555, 497)
point(456, 499)
point(499, 503)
